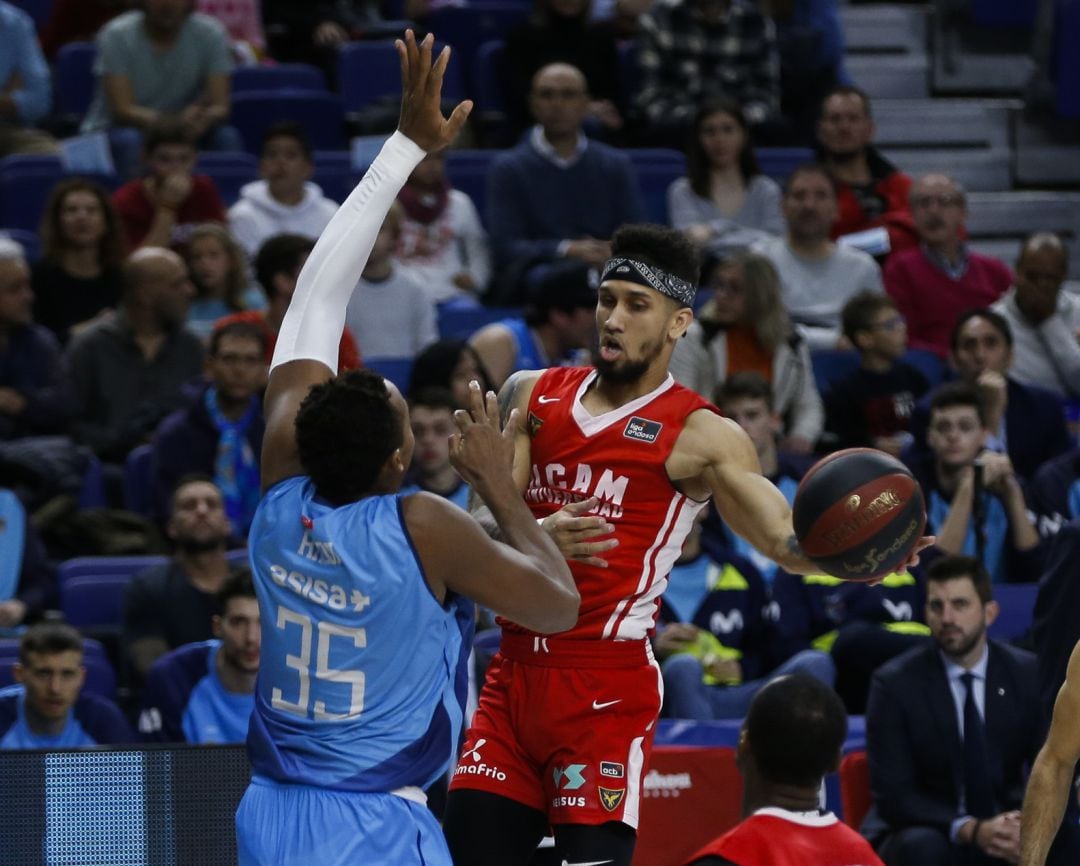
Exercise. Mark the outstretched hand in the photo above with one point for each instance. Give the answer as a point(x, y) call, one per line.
point(421, 118)
point(483, 451)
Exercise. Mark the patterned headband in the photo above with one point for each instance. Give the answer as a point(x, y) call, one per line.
point(633, 271)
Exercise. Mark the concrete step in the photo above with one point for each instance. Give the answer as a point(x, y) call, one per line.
point(884, 29)
point(998, 221)
point(912, 123)
point(891, 77)
point(981, 170)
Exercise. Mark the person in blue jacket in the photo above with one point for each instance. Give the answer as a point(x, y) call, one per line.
point(46, 708)
point(204, 692)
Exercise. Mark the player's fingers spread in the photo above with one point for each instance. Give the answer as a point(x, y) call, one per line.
point(457, 119)
point(491, 408)
point(438, 68)
point(462, 419)
point(590, 560)
point(510, 430)
point(403, 59)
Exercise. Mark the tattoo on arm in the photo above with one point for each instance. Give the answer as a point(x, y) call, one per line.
point(508, 394)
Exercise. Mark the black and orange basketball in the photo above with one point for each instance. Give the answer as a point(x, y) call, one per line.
point(858, 513)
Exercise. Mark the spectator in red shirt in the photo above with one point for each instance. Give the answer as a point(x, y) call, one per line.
point(871, 192)
point(164, 207)
point(941, 278)
point(277, 265)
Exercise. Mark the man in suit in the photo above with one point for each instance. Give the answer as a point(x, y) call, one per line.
point(950, 728)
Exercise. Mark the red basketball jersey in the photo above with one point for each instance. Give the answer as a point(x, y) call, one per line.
point(776, 837)
point(619, 458)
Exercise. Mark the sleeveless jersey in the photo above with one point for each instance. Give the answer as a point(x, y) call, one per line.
point(776, 837)
point(618, 457)
point(363, 674)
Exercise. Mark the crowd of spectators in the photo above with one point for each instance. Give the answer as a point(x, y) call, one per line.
point(149, 321)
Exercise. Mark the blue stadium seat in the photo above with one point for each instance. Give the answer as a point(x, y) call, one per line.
point(116, 567)
point(486, 79)
point(466, 28)
point(18, 163)
point(1005, 13)
point(832, 365)
point(927, 363)
point(334, 173)
point(138, 485)
point(657, 169)
point(23, 196)
point(467, 171)
point(39, 10)
point(92, 492)
point(1016, 602)
point(779, 162)
point(29, 241)
point(74, 78)
point(284, 76)
point(629, 73)
point(100, 676)
point(1067, 57)
point(229, 171)
point(397, 370)
point(93, 601)
point(320, 114)
point(371, 71)
point(458, 322)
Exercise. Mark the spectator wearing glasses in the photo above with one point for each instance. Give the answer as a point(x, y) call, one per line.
point(873, 406)
point(934, 283)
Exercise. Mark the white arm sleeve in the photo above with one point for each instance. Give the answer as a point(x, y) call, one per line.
point(316, 316)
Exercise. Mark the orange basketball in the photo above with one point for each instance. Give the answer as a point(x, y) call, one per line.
point(858, 514)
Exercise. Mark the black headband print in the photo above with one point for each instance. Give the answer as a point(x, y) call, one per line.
point(645, 275)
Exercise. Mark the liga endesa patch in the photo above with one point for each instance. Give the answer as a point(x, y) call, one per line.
point(642, 429)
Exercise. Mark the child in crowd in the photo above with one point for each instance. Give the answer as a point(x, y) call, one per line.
point(219, 272)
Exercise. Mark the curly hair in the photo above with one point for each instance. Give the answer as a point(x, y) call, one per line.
point(346, 430)
point(658, 246)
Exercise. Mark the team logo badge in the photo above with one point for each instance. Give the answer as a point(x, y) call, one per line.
point(610, 799)
point(534, 424)
point(642, 429)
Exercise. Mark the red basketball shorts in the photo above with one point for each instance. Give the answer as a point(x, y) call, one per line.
point(565, 727)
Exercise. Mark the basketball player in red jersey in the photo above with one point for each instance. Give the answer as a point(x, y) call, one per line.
point(791, 739)
point(565, 723)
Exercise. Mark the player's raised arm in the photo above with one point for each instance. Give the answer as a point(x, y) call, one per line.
point(1051, 775)
point(307, 345)
point(526, 579)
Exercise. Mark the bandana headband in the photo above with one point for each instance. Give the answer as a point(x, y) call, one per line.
point(633, 271)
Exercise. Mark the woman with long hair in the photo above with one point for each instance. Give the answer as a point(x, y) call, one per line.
point(219, 271)
point(745, 328)
point(78, 276)
point(724, 202)
point(448, 364)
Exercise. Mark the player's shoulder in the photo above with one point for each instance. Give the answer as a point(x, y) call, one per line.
point(518, 388)
point(705, 426)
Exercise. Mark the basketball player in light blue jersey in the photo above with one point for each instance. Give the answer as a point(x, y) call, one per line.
point(363, 593)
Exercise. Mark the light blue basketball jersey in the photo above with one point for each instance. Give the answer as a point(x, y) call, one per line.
point(363, 673)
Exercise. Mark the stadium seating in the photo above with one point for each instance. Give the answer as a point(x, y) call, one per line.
point(1067, 54)
point(229, 171)
point(39, 10)
point(467, 171)
point(488, 98)
point(334, 173)
point(1016, 604)
point(29, 241)
point(459, 322)
point(397, 370)
point(93, 601)
point(466, 28)
point(283, 76)
point(74, 78)
point(656, 169)
point(855, 788)
point(124, 567)
point(25, 183)
point(138, 484)
point(369, 72)
point(100, 676)
point(779, 162)
point(319, 113)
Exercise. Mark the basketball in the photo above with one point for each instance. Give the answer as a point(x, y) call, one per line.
point(858, 513)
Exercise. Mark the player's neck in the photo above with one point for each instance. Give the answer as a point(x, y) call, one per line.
point(42, 726)
point(789, 797)
point(205, 570)
point(609, 394)
point(444, 481)
point(234, 679)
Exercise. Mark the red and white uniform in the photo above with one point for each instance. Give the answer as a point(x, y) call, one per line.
point(565, 722)
point(777, 837)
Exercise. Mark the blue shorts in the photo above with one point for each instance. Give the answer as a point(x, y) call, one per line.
point(299, 825)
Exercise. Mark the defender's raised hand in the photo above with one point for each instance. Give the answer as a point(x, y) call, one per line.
point(421, 117)
point(483, 451)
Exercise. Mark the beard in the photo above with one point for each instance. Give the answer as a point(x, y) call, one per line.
point(965, 645)
point(192, 544)
point(626, 371)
